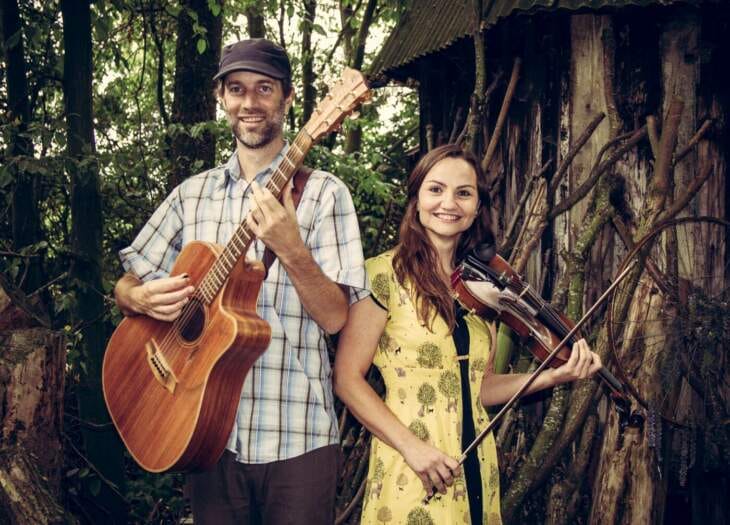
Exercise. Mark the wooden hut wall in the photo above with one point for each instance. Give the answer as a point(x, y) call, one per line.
point(626, 63)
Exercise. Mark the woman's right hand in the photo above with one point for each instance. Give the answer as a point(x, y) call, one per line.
point(435, 469)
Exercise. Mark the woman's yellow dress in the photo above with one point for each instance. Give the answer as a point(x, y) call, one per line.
point(423, 389)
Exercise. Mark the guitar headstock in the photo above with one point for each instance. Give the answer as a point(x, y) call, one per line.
point(344, 96)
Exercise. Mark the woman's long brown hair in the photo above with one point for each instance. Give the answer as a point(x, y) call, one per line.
point(416, 261)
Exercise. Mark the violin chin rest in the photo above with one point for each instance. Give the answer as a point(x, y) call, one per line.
point(485, 251)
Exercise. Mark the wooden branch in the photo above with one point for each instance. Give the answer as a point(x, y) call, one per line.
point(689, 192)
point(667, 143)
point(429, 137)
point(457, 123)
point(653, 131)
point(596, 173)
point(523, 200)
point(476, 105)
point(502, 114)
point(342, 518)
point(582, 139)
point(706, 125)
point(520, 263)
point(609, 68)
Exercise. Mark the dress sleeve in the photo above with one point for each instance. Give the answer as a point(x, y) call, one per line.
point(153, 252)
point(335, 241)
point(381, 279)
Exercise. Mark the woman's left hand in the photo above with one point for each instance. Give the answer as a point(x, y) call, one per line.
point(581, 364)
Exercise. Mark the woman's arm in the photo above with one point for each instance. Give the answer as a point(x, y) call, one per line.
point(499, 388)
point(357, 344)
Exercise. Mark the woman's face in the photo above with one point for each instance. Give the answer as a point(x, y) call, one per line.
point(448, 201)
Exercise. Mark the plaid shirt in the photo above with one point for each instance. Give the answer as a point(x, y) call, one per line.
point(287, 404)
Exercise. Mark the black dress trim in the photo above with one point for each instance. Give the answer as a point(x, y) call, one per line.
point(472, 471)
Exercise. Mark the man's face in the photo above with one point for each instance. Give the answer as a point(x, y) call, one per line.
point(255, 107)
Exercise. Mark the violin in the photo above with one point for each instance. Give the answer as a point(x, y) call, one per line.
point(485, 284)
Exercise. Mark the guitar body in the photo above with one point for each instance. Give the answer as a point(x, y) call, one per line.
point(173, 392)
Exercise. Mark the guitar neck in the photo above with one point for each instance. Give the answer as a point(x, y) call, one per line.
point(239, 244)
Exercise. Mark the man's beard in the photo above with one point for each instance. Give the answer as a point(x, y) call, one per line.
point(272, 128)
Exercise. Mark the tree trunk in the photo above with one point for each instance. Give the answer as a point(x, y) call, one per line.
point(354, 135)
point(194, 101)
point(309, 92)
point(25, 218)
point(103, 449)
point(32, 367)
point(627, 489)
point(255, 21)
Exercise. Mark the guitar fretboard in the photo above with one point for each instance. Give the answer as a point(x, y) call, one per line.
point(243, 237)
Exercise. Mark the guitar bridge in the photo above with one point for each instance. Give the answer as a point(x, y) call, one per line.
point(160, 369)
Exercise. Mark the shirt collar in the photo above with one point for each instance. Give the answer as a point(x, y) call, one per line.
point(232, 169)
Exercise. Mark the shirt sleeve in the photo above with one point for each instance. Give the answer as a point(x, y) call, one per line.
point(335, 240)
point(153, 252)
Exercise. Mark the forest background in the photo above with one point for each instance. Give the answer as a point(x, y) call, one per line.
point(107, 106)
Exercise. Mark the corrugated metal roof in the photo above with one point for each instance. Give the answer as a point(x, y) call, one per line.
point(430, 25)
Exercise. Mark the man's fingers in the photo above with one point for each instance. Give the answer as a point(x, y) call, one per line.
point(167, 284)
point(289, 199)
point(170, 298)
point(264, 199)
point(169, 309)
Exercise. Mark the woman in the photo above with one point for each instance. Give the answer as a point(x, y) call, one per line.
point(435, 359)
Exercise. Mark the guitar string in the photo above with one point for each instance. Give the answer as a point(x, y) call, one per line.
point(206, 287)
point(211, 283)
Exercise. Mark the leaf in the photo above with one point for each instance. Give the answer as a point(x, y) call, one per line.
point(173, 9)
point(95, 487)
point(14, 39)
point(214, 7)
point(202, 46)
point(319, 29)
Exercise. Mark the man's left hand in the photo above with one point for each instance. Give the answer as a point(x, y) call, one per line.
point(275, 224)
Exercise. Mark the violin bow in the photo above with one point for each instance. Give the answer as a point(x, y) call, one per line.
point(543, 365)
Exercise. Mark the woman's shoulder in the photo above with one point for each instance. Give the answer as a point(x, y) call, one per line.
point(380, 263)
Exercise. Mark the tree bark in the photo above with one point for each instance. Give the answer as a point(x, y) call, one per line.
point(309, 92)
point(32, 367)
point(353, 140)
point(194, 99)
point(102, 448)
point(255, 21)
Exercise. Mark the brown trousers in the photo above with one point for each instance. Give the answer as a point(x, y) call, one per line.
point(296, 491)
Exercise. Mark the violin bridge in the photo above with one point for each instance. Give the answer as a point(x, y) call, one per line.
point(160, 369)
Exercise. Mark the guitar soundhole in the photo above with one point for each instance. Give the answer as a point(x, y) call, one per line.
point(194, 321)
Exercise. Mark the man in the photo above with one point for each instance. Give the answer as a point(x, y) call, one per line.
point(282, 460)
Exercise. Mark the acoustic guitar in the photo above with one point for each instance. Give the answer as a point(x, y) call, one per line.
point(172, 388)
